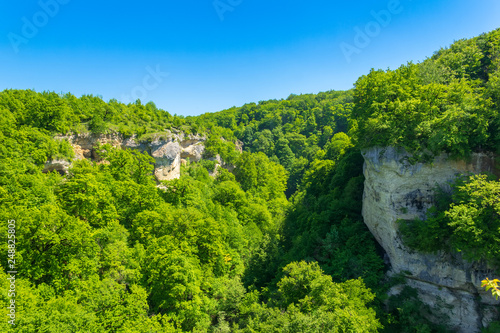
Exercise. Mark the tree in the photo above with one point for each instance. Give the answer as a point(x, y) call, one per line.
point(83, 196)
point(284, 153)
point(173, 280)
point(338, 145)
point(467, 221)
point(474, 218)
point(310, 302)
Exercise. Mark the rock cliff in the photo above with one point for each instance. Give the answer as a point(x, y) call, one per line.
point(169, 152)
point(395, 189)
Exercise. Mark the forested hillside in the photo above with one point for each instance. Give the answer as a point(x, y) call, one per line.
point(274, 243)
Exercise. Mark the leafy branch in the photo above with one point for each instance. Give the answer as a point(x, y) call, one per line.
point(493, 285)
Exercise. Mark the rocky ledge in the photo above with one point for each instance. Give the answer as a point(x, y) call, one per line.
point(169, 151)
point(395, 189)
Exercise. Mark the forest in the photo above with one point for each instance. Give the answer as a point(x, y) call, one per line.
point(277, 242)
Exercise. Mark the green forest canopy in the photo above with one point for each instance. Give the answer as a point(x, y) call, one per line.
point(277, 245)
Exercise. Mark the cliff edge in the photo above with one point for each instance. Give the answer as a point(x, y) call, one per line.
point(395, 189)
point(169, 152)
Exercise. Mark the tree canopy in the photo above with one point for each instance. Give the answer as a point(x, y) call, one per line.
point(273, 241)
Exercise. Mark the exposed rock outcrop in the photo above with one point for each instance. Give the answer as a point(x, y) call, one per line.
point(60, 166)
point(168, 151)
point(193, 152)
point(167, 157)
point(395, 189)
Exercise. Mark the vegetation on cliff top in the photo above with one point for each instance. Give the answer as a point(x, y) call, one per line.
point(448, 103)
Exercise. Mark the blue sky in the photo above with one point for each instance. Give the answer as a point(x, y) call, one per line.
point(191, 57)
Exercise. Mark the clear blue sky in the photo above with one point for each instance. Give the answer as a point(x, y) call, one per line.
point(245, 51)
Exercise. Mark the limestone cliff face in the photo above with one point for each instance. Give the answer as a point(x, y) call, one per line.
point(169, 153)
point(394, 190)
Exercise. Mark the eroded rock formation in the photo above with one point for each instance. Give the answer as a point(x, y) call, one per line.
point(168, 151)
point(395, 189)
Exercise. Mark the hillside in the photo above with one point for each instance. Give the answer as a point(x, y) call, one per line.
point(261, 228)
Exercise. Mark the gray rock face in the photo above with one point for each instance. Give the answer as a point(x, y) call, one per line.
point(60, 166)
point(167, 160)
point(395, 189)
point(168, 153)
point(193, 152)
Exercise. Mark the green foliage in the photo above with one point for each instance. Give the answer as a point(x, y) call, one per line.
point(468, 222)
point(290, 132)
point(337, 146)
point(325, 222)
point(208, 164)
point(151, 255)
point(63, 113)
point(475, 219)
point(408, 314)
point(261, 177)
point(128, 164)
point(493, 285)
point(430, 234)
point(173, 280)
point(445, 104)
point(218, 144)
point(309, 301)
point(395, 109)
point(284, 153)
point(104, 249)
point(86, 198)
point(165, 260)
point(492, 328)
